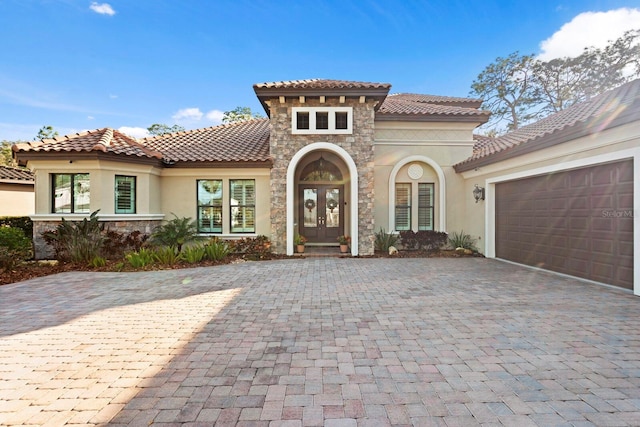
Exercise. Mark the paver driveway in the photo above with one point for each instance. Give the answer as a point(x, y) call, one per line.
point(334, 342)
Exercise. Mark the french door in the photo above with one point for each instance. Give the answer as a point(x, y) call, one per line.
point(321, 213)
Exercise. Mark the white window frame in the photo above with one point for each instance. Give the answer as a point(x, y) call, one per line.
point(312, 120)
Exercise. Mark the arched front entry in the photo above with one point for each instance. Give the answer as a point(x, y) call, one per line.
point(322, 195)
point(320, 198)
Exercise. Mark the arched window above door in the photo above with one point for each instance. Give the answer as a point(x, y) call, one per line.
point(320, 170)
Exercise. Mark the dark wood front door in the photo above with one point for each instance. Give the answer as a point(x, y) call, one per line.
point(321, 213)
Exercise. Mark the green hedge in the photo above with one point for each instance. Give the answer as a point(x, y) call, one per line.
point(23, 222)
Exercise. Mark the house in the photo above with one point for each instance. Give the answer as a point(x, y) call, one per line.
point(340, 157)
point(16, 192)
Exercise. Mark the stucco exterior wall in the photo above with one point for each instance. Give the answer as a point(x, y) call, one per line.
point(178, 194)
point(433, 146)
point(17, 199)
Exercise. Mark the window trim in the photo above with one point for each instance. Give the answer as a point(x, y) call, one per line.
point(331, 128)
point(242, 206)
point(134, 197)
point(219, 207)
point(73, 209)
point(429, 207)
point(408, 207)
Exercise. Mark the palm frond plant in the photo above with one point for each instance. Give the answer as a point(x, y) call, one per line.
point(176, 232)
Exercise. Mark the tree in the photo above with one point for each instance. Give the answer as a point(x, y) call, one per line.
point(563, 82)
point(158, 129)
point(239, 114)
point(6, 158)
point(46, 132)
point(518, 89)
point(507, 89)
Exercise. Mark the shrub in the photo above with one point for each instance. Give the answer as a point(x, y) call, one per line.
point(141, 258)
point(384, 240)
point(462, 240)
point(22, 222)
point(166, 255)
point(428, 240)
point(98, 262)
point(216, 249)
point(252, 248)
point(77, 241)
point(193, 254)
point(15, 247)
point(116, 244)
point(176, 232)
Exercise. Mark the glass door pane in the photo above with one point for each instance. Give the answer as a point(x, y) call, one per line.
point(332, 197)
point(310, 196)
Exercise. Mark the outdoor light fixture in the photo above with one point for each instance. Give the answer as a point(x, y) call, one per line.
point(478, 193)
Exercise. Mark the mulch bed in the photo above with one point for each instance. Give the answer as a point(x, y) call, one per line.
point(33, 269)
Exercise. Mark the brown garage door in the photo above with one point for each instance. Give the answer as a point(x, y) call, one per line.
point(577, 222)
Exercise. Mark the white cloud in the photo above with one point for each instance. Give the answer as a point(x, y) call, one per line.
point(90, 117)
point(589, 29)
point(188, 114)
point(215, 116)
point(113, 96)
point(135, 132)
point(102, 9)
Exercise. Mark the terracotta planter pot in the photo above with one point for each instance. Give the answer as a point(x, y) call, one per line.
point(344, 249)
point(300, 249)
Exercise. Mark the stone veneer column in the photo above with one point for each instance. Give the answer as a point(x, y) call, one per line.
point(359, 145)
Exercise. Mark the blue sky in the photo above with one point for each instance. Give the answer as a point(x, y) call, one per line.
point(78, 65)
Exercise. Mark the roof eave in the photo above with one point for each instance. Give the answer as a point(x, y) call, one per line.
point(264, 94)
point(17, 181)
point(22, 157)
point(578, 130)
point(386, 117)
point(227, 164)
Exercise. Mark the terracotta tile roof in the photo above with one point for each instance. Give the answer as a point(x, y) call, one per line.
point(246, 141)
point(594, 115)
point(104, 140)
point(437, 99)
point(8, 173)
point(426, 107)
point(481, 141)
point(321, 84)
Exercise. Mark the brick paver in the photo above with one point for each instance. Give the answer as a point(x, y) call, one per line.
point(313, 342)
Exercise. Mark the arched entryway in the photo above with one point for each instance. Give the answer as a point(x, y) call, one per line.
point(322, 196)
point(321, 215)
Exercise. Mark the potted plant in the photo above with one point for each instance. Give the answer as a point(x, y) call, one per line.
point(299, 241)
point(344, 243)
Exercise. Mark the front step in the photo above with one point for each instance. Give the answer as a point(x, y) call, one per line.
point(323, 251)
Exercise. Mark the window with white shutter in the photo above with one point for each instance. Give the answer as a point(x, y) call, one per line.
point(425, 206)
point(125, 194)
point(243, 205)
point(403, 206)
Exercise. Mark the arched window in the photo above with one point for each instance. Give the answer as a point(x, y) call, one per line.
point(321, 170)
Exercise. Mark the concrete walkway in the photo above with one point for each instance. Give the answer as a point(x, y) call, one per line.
point(312, 342)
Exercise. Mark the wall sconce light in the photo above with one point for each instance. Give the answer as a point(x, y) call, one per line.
point(478, 193)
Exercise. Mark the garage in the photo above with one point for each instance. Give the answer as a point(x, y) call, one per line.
point(577, 222)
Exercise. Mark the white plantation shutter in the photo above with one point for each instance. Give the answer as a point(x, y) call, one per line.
point(425, 206)
point(125, 194)
point(243, 201)
point(403, 206)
